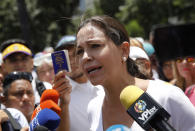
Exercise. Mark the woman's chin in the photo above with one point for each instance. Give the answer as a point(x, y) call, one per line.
point(96, 81)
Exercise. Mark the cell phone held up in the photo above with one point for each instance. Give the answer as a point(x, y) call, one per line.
point(61, 61)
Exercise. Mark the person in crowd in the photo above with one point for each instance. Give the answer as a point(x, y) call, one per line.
point(138, 54)
point(190, 91)
point(18, 93)
point(167, 71)
point(44, 68)
point(185, 69)
point(152, 55)
point(82, 90)
point(135, 42)
point(102, 51)
point(179, 72)
point(149, 50)
point(142, 61)
point(17, 56)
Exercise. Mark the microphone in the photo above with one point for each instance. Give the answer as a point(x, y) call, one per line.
point(144, 109)
point(46, 104)
point(46, 118)
point(41, 128)
point(12, 124)
point(6, 126)
point(50, 94)
point(118, 127)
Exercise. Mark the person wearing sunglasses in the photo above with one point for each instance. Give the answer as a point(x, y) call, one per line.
point(186, 67)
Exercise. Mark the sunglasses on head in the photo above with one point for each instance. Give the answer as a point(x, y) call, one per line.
point(188, 59)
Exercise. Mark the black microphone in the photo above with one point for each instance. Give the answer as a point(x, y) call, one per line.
point(11, 124)
point(144, 109)
point(6, 126)
point(41, 128)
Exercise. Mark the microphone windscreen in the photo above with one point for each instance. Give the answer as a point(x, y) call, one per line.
point(118, 127)
point(46, 118)
point(46, 104)
point(41, 128)
point(51, 94)
point(144, 109)
point(129, 95)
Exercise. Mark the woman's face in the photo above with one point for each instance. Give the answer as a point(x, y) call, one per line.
point(167, 70)
point(185, 67)
point(97, 54)
point(45, 72)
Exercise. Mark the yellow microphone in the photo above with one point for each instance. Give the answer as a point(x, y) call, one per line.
point(129, 95)
point(144, 109)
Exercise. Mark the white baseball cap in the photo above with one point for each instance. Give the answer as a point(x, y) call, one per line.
point(136, 52)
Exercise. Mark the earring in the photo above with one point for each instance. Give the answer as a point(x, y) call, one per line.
point(124, 59)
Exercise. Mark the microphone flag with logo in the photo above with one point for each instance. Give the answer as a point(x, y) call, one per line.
point(144, 109)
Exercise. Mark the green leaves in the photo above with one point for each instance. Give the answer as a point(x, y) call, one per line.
point(45, 21)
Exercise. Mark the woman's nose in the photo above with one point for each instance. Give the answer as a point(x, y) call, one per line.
point(86, 56)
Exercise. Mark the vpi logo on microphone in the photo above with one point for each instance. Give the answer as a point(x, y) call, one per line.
point(140, 107)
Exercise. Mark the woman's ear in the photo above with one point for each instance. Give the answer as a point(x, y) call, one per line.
point(125, 49)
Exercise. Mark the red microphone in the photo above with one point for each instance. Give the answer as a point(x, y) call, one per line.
point(50, 94)
point(50, 104)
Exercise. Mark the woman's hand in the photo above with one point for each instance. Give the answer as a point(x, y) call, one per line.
point(61, 84)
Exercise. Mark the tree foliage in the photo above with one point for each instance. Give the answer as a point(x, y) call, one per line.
point(9, 20)
point(139, 16)
point(48, 20)
point(104, 7)
point(153, 12)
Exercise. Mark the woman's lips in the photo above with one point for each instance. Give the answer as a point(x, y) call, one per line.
point(92, 69)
